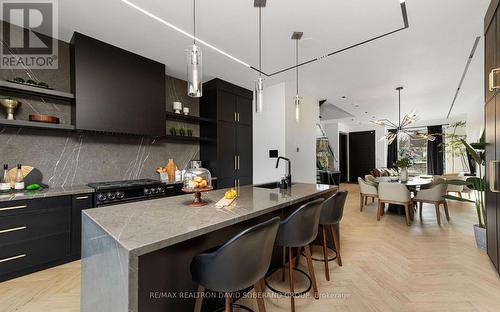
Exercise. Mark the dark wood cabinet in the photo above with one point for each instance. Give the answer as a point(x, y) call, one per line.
point(34, 234)
point(492, 126)
point(230, 157)
point(78, 204)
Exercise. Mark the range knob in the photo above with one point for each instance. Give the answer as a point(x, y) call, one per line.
point(147, 191)
point(120, 195)
point(111, 196)
point(161, 190)
point(101, 197)
point(154, 190)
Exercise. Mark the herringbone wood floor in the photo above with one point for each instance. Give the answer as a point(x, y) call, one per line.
point(387, 267)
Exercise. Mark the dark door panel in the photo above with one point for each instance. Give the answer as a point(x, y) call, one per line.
point(79, 203)
point(244, 151)
point(361, 154)
point(489, 64)
point(343, 157)
point(226, 106)
point(244, 109)
point(225, 183)
point(227, 150)
point(491, 198)
point(245, 180)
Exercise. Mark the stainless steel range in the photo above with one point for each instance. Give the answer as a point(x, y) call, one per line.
point(107, 193)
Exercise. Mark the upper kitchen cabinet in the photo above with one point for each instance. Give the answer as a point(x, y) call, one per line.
point(230, 156)
point(116, 90)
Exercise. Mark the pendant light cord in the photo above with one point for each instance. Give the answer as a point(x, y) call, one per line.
point(399, 108)
point(297, 63)
point(260, 42)
point(194, 21)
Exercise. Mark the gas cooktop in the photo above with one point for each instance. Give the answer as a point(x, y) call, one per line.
point(122, 184)
point(114, 192)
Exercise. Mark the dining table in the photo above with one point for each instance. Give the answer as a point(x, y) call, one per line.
point(414, 184)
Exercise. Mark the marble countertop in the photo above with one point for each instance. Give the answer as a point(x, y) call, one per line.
point(48, 192)
point(146, 226)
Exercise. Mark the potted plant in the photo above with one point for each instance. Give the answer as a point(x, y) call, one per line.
point(478, 186)
point(189, 132)
point(182, 131)
point(173, 130)
point(403, 164)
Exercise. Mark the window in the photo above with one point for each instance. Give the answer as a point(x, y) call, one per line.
point(415, 149)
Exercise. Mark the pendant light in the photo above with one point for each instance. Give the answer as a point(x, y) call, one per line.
point(194, 64)
point(297, 100)
point(401, 129)
point(259, 83)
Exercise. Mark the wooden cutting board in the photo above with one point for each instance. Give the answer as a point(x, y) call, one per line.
point(30, 175)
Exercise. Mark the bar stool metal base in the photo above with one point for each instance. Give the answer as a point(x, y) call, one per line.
point(235, 305)
point(321, 259)
point(289, 294)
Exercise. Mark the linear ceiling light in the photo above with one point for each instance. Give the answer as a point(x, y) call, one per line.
point(185, 33)
point(405, 26)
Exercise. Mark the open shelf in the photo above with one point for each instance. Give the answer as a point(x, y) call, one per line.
point(188, 118)
point(187, 138)
point(32, 124)
point(34, 91)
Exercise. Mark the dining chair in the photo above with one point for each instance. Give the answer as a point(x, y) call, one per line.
point(396, 194)
point(366, 191)
point(370, 179)
point(434, 195)
point(459, 189)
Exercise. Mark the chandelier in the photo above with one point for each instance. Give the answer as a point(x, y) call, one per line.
point(401, 129)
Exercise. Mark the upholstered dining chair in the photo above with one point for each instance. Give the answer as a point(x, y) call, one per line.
point(434, 195)
point(367, 190)
point(370, 179)
point(397, 194)
point(459, 189)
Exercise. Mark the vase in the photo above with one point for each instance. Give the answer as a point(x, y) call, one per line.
point(480, 235)
point(171, 167)
point(403, 174)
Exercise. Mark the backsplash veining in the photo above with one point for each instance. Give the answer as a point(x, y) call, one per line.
point(76, 158)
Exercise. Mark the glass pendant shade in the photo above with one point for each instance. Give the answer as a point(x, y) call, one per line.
point(297, 101)
point(194, 71)
point(259, 95)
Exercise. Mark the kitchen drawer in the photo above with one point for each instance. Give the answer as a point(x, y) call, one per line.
point(22, 256)
point(17, 228)
point(79, 203)
point(32, 205)
point(173, 189)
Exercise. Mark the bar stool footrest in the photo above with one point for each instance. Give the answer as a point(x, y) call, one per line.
point(321, 260)
point(289, 294)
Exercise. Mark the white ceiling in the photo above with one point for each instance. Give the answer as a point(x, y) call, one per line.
point(427, 59)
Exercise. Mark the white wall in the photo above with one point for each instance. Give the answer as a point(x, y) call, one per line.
point(269, 134)
point(301, 136)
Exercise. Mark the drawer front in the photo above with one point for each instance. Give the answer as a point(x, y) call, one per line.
point(24, 255)
point(33, 205)
point(17, 228)
point(173, 189)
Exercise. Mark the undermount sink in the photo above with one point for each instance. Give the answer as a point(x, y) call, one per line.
point(271, 185)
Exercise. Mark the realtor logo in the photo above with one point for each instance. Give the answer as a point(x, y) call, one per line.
point(28, 32)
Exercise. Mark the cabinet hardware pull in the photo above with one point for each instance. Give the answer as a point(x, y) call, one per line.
point(82, 197)
point(12, 258)
point(13, 229)
point(235, 162)
point(170, 187)
point(13, 207)
point(238, 117)
point(238, 183)
point(238, 162)
point(492, 86)
point(235, 183)
point(493, 173)
point(234, 116)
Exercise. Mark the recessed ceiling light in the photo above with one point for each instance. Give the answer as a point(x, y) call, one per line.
point(344, 97)
point(356, 105)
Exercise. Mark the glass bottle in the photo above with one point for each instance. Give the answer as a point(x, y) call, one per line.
point(4, 180)
point(19, 181)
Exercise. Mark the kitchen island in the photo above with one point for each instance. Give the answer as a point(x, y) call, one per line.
point(136, 256)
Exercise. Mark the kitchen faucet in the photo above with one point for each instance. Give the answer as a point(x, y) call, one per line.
point(288, 176)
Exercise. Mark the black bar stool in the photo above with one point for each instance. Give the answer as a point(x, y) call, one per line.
point(296, 231)
point(331, 214)
point(240, 263)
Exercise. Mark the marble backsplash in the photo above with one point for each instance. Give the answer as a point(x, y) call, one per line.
point(68, 158)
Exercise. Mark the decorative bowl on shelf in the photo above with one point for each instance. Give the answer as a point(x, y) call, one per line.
point(197, 180)
point(10, 105)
